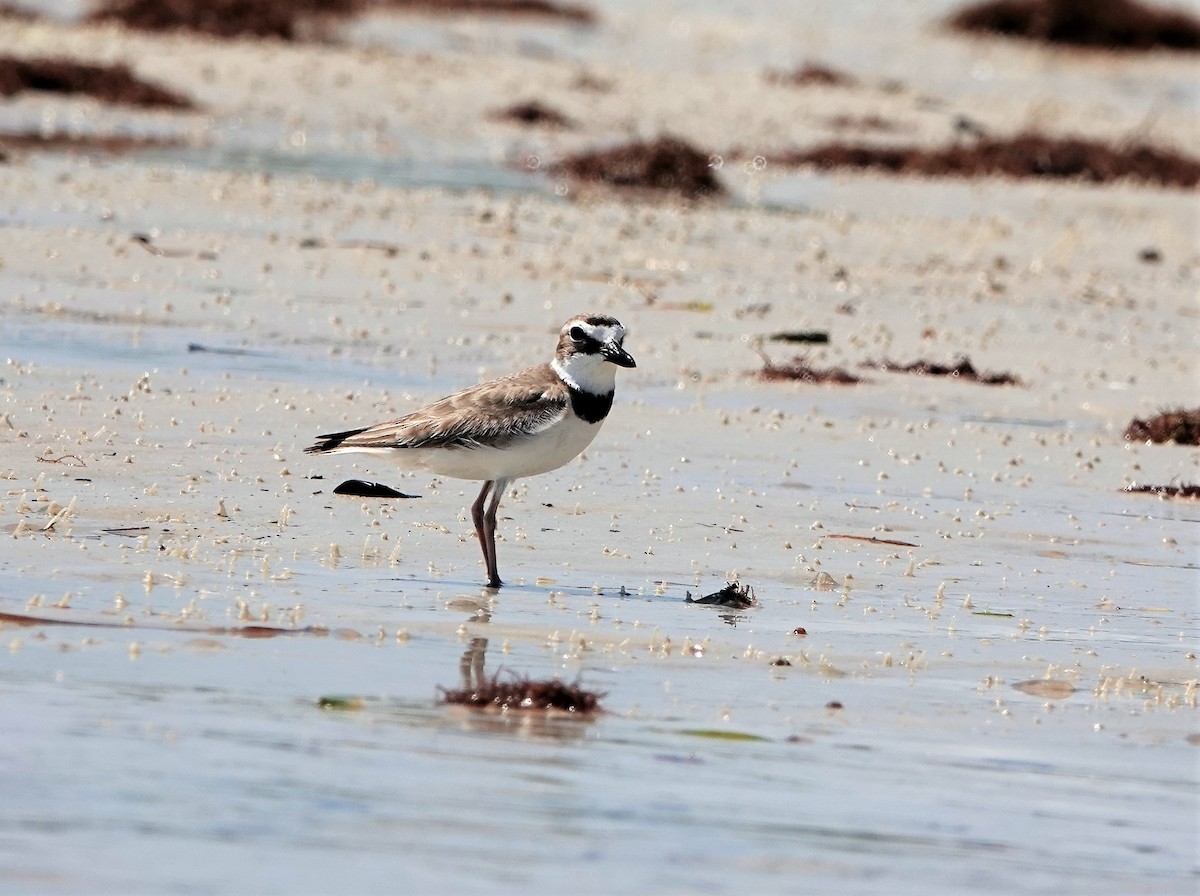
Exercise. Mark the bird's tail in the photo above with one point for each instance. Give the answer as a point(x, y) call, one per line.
point(331, 441)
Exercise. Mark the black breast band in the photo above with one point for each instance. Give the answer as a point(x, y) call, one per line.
point(589, 407)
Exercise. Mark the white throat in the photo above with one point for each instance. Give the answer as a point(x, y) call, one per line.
point(586, 373)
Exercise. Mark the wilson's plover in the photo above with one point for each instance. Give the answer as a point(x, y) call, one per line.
point(520, 425)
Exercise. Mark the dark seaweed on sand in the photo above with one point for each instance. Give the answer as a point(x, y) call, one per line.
point(108, 83)
point(283, 19)
point(799, 370)
point(360, 488)
point(293, 20)
point(811, 73)
point(1027, 155)
point(732, 596)
point(961, 369)
point(521, 694)
point(539, 9)
point(1189, 490)
point(813, 337)
point(83, 144)
point(666, 165)
point(1108, 24)
point(533, 114)
point(1178, 425)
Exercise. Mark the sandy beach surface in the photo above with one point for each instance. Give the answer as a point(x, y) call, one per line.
point(972, 666)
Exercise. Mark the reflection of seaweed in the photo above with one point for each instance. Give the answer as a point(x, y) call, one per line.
point(1178, 425)
point(1111, 24)
point(734, 596)
point(519, 693)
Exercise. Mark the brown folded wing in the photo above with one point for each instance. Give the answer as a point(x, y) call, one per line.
point(496, 413)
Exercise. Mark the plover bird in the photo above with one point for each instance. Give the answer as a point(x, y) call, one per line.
point(520, 425)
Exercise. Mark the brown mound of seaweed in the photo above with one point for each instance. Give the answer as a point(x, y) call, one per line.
point(1105, 24)
point(283, 19)
point(1027, 155)
point(665, 165)
point(1178, 425)
point(522, 694)
point(108, 83)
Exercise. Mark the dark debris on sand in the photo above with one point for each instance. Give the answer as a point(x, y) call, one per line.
point(83, 145)
point(666, 165)
point(20, 13)
point(811, 337)
point(360, 488)
point(799, 370)
point(284, 19)
point(1027, 155)
point(1178, 425)
point(1166, 492)
point(872, 122)
point(109, 83)
point(539, 9)
point(521, 694)
point(732, 596)
point(811, 74)
point(533, 114)
point(296, 20)
point(961, 369)
point(1105, 24)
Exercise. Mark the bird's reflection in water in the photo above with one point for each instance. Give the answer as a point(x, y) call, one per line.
point(470, 666)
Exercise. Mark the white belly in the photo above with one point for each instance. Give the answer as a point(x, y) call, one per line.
point(546, 451)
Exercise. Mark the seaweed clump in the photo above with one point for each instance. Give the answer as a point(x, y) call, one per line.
point(811, 74)
point(799, 370)
point(1178, 425)
point(108, 83)
point(87, 144)
point(521, 694)
point(732, 595)
point(961, 369)
point(667, 165)
point(1026, 155)
point(1187, 490)
point(537, 9)
point(1105, 24)
point(533, 114)
point(288, 20)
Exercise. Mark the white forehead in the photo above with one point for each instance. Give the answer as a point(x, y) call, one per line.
point(613, 332)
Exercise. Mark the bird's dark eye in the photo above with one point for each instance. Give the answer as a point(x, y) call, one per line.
point(579, 334)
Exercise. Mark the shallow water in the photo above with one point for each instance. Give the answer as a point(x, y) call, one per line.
point(215, 756)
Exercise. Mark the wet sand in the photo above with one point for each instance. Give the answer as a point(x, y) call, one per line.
point(997, 675)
